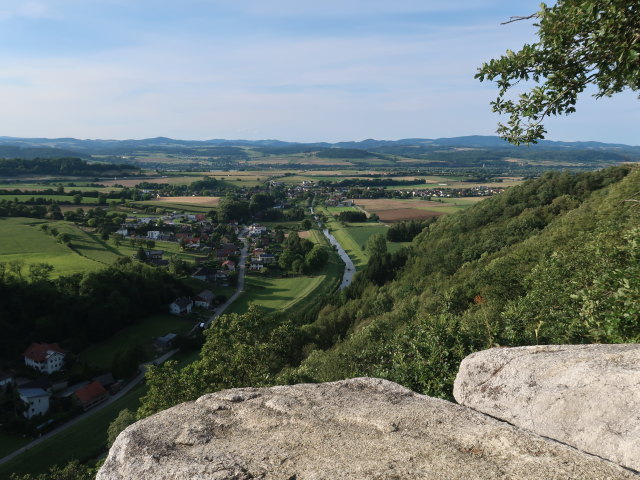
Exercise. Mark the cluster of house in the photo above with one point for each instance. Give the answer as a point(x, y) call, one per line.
point(36, 395)
point(184, 305)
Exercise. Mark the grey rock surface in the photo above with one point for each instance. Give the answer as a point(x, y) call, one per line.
point(587, 396)
point(355, 429)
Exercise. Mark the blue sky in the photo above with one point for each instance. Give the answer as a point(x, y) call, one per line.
point(292, 70)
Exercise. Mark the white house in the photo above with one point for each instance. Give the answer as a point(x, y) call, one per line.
point(36, 400)
point(153, 234)
point(181, 306)
point(44, 357)
point(123, 231)
point(6, 379)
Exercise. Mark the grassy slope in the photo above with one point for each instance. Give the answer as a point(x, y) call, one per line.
point(22, 239)
point(143, 333)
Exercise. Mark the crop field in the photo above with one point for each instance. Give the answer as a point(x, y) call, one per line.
point(198, 201)
point(394, 210)
point(171, 180)
point(40, 186)
point(144, 333)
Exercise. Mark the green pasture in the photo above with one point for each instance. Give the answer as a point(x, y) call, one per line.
point(143, 333)
point(57, 198)
point(22, 239)
point(334, 210)
point(83, 441)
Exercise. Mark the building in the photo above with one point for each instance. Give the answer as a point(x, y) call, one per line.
point(267, 258)
point(204, 299)
point(229, 264)
point(91, 395)
point(44, 357)
point(36, 401)
point(181, 306)
point(6, 379)
point(206, 274)
point(165, 342)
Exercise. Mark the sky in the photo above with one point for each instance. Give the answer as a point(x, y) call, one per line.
point(295, 70)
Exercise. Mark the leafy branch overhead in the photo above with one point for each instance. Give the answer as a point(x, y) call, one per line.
point(581, 43)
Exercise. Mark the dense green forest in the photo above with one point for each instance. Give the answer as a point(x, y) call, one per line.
point(61, 166)
point(556, 260)
point(79, 309)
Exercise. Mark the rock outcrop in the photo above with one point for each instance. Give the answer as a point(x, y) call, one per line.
point(587, 396)
point(355, 429)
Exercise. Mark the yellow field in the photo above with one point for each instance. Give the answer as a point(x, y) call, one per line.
point(200, 201)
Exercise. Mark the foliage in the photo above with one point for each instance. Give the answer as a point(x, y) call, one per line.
point(352, 216)
point(71, 471)
point(125, 418)
point(581, 42)
point(60, 166)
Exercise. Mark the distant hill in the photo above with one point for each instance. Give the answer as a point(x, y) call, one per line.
point(467, 151)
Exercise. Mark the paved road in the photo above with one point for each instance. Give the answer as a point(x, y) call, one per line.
point(126, 389)
point(240, 288)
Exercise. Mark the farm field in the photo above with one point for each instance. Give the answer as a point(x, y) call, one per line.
point(190, 201)
point(395, 210)
point(75, 442)
point(144, 333)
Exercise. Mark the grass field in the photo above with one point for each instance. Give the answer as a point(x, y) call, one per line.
point(83, 441)
point(10, 443)
point(58, 198)
point(144, 333)
point(189, 207)
point(294, 293)
point(23, 240)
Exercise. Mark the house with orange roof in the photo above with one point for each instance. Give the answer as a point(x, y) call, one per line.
point(44, 357)
point(91, 395)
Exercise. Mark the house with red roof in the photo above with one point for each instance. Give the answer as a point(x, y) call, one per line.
point(91, 395)
point(44, 357)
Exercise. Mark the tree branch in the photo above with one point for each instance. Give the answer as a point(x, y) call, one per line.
point(518, 18)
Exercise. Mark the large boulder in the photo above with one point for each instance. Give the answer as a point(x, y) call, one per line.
point(587, 396)
point(355, 429)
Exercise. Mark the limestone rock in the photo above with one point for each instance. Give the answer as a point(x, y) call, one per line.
point(587, 396)
point(355, 429)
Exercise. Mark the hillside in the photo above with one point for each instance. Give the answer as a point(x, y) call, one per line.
point(555, 260)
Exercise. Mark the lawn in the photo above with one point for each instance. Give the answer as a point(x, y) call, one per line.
point(10, 443)
point(143, 333)
point(83, 441)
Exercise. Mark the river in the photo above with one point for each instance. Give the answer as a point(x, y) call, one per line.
point(349, 267)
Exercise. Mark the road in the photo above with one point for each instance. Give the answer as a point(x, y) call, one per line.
point(126, 389)
point(240, 288)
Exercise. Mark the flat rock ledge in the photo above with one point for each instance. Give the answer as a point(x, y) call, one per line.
point(587, 396)
point(362, 428)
